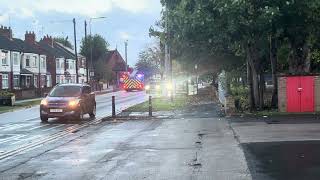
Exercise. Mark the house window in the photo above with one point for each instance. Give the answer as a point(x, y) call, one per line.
point(43, 63)
point(73, 64)
point(62, 64)
point(15, 59)
point(16, 81)
point(35, 81)
point(62, 79)
point(27, 61)
point(34, 62)
point(57, 64)
point(57, 79)
point(49, 81)
point(68, 64)
point(5, 81)
point(28, 81)
point(4, 59)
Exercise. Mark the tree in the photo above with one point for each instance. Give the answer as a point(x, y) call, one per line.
point(149, 61)
point(97, 44)
point(103, 71)
point(64, 41)
point(234, 31)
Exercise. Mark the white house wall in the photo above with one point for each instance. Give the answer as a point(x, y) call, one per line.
point(72, 70)
point(43, 69)
point(16, 67)
point(5, 68)
point(34, 67)
point(61, 69)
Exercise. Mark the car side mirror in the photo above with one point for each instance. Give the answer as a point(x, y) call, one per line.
point(45, 94)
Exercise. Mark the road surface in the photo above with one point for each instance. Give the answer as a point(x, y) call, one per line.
point(23, 129)
point(194, 144)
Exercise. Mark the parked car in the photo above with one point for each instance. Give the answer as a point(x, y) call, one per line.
point(68, 100)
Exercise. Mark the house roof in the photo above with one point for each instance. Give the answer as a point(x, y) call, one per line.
point(25, 47)
point(8, 44)
point(66, 52)
point(107, 55)
point(25, 71)
point(56, 50)
point(51, 50)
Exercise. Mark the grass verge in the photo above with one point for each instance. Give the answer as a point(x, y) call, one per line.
point(161, 104)
point(4, 109)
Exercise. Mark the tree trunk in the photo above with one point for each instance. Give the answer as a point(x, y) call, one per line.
point(261, 90)
point(307, 56)
point(250, 86)
point(255, 87)
point(254, 63)
point(274, 62)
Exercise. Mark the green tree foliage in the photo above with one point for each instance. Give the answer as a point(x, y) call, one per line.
point(149, 61)
point(64, 41)
point(103, 71)
point(95, 44)
point(232, 33)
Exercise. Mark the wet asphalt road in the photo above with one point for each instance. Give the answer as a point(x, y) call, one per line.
point(24, 126)
point(192, 144)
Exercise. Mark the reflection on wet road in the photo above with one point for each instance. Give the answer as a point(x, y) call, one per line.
point(24, 126)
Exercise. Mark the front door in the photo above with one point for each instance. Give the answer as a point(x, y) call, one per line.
point(300, 94)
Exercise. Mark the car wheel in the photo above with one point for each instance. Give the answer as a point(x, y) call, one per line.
point(44, 119)
point(93, 112)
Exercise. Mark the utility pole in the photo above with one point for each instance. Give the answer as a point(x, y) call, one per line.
point(75, 48)
point(126, 54)
point(86, 45)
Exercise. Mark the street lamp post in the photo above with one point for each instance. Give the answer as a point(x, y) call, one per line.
point(126, 50)
point(75, 49)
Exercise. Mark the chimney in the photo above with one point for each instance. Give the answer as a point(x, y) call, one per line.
point(6, 31)
point(48, 40)
point(30, 37)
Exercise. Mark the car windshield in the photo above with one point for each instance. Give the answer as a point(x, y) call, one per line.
point(66, 91)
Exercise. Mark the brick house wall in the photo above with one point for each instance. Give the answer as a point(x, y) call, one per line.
point(282, 94)
point(317, 93)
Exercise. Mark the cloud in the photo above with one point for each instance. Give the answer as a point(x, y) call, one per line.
point(4, 18)
point(87, 8)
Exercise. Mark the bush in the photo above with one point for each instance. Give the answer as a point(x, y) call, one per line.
point(240, 95)
point(6, 94)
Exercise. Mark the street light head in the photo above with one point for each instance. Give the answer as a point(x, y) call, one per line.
point(101, 17)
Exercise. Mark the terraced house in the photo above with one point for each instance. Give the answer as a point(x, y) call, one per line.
point(22, 65)
point(28, 67)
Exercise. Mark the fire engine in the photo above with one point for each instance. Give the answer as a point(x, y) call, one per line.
point(132, 80)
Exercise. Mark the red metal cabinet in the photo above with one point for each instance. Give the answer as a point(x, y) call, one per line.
point(300, 94)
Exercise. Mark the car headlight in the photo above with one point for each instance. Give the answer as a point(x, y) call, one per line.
point(147, 87)
point(73, 103)
point(44, 102)
point(157, 87)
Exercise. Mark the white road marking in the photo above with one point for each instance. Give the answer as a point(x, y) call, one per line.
point(13, 137)
point(41, 126)
point(53, 127)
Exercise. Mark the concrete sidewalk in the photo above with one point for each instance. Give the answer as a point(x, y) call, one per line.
point(277, 128)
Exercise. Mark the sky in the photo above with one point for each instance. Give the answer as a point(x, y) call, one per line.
point(125, 20)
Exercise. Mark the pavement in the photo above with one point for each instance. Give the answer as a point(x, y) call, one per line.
point(194, 143)
point(280, 147)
